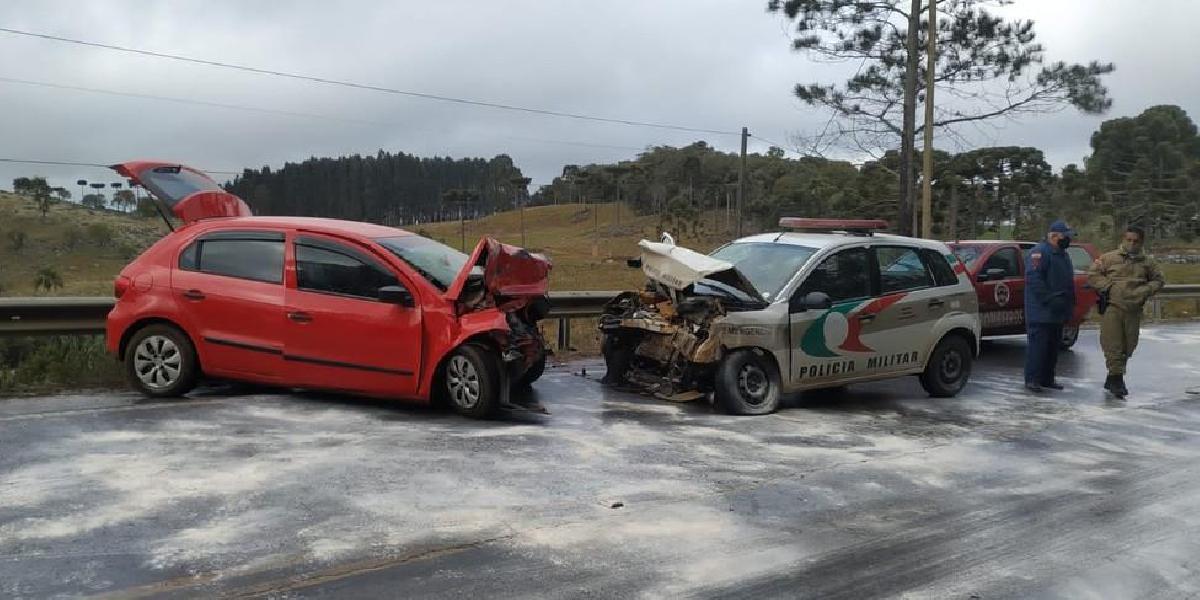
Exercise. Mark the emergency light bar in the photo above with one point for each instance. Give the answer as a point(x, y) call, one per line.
point(851, 225)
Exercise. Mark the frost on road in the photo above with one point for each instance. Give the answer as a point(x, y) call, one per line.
point(875, 491)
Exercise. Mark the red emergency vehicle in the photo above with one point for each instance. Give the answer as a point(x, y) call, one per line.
point(997, 268)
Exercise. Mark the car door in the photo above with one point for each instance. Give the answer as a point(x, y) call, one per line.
point(338, 334)
point(1002, 297)
point(229, 287)
point(909, 304)
point(829, 345)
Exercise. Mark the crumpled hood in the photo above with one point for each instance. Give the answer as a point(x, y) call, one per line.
point(678, 268)
point(509, 272)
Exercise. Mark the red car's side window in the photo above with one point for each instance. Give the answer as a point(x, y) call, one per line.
point(253, 255)
point(328, 267)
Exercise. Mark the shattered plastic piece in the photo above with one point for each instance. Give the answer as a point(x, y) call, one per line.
point(685, 397)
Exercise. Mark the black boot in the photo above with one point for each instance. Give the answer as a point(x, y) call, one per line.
point(1110, 384)
point(1121, 390)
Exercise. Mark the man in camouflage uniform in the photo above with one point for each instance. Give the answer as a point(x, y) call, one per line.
point(1128, 277)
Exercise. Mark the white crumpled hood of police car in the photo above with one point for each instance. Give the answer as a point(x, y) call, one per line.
point(678, 267)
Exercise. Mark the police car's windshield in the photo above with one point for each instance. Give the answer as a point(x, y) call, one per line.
point(768, 266)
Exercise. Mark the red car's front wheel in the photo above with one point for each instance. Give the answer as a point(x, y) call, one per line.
point(471, 382)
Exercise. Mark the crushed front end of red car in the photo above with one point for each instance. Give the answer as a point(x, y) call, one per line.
point(515, 282)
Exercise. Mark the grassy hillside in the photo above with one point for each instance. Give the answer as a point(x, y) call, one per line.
point(586, 257)
point(85, 247)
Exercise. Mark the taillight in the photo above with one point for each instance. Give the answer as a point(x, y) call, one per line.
point(120, 285)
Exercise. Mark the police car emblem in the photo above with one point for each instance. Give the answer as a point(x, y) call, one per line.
point(1002, 294)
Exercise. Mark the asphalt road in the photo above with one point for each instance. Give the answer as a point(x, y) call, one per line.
point(877, 491)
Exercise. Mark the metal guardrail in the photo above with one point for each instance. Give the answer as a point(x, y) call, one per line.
point(1173, 292)
point(85, 315)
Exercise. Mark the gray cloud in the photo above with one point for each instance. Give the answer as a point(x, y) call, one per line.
point(704, 63)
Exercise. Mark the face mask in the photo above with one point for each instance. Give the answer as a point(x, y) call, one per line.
point(1131, 248)
point(1064, 243)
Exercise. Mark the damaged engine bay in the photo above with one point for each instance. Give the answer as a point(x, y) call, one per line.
point(663, 339)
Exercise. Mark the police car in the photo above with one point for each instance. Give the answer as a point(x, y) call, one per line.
point(824, 303)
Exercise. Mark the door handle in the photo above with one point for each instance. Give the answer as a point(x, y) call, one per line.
point(300, 317)
point(867, 318)
point(936, 303)
point(194, 295)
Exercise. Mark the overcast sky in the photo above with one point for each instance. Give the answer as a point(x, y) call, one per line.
point(712, 64)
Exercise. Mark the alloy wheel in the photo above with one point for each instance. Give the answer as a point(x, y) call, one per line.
point(158, 362)
point(462, 381)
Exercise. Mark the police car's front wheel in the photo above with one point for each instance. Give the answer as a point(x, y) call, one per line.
point(949, 367)
point(747, 383)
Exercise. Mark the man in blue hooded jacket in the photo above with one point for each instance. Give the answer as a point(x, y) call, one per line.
point(1049, 303)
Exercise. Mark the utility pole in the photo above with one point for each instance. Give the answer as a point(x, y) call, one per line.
point(584, 177)
point(522, 187)
point(741, 189)
point(908, 171)
point(927, 170)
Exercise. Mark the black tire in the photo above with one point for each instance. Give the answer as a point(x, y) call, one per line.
point(747, 384)
point(471, 382)
point(160, 362)
point(532, 374)
point(618, 357)
point(949, 367)
point(1069, 337)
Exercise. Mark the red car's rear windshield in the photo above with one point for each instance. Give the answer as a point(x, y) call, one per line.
point(172, 184)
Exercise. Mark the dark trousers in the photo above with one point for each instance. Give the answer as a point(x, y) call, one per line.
point(1041, 351)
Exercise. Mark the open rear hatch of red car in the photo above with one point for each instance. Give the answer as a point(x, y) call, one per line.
point(512, 276)
point(185, 192)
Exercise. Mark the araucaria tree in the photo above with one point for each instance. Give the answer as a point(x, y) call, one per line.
point(987, 67)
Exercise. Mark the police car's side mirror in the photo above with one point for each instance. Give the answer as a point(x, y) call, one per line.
point(810, 301)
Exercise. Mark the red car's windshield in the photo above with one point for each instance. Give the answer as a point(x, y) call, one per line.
point(435, 261)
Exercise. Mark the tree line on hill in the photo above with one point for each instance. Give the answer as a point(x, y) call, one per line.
point(1143, 169)
point(387, 188)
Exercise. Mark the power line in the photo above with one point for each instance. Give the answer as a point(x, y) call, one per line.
point(766, 141)
point(244, 107)
point(27, 161)
point(361, 86)
point(76, 88)
point(583, 144)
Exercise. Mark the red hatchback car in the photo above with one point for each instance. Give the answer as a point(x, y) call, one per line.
point(997, 268)
point(323, 304)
